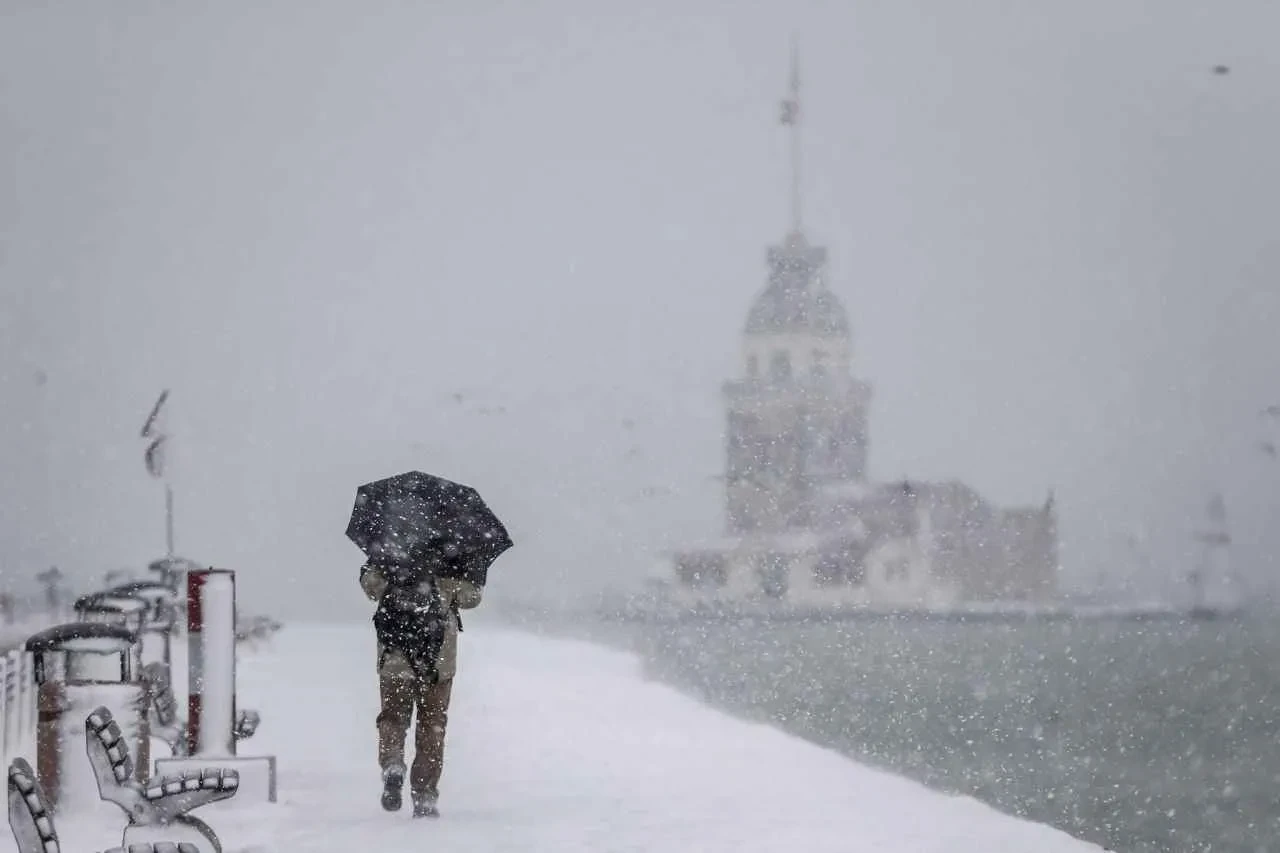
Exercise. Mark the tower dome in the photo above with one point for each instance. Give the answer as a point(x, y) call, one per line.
point(796, 300)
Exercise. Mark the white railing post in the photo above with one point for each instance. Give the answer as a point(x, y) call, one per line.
point(17, 660)
point(30, 704)
point(13, 696)
point(13, 693)
point(6, 716)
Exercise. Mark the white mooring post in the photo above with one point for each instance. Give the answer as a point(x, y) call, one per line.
point(212, 717)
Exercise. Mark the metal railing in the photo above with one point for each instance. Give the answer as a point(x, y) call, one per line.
point(17, 705)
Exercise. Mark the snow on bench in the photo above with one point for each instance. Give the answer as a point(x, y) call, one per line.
point(165, 723)
point(164, 801)
point(32, 824)
point(29, 817)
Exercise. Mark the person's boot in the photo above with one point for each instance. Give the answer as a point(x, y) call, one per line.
point(424, 805)
point(392, 787)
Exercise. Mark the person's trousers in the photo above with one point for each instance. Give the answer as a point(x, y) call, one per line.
point(401, 692)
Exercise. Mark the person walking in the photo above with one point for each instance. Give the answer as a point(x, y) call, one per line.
point(417, 622)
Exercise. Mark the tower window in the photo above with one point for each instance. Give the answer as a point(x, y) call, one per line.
point(772, 570)
point(780, 365)
point(818, 368)
point(753, 366)
point(840, 569)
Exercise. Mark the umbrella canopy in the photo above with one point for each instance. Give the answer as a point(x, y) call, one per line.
point(418, 521)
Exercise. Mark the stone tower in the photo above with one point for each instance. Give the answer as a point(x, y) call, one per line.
point(796, 419)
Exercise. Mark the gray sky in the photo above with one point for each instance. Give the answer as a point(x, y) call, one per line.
point(1053, 226)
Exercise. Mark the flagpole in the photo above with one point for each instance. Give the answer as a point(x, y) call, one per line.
point(790, 119)
point(796, 222)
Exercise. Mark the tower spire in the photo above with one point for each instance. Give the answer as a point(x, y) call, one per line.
point(791, 119)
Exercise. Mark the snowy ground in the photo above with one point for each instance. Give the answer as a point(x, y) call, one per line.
point(562, 746)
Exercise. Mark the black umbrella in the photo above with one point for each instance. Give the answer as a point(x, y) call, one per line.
point(416, 521)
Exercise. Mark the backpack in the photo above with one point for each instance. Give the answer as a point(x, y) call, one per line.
point(412, 621)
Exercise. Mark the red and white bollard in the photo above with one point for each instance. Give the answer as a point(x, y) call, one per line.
point(211, 689)
point(211, 662)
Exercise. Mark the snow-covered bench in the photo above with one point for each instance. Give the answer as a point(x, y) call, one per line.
point(168, 726)
point(32, 825)
point(165, 800)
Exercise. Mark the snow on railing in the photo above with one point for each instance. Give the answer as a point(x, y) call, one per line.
point(17, 705)
point(18, 712)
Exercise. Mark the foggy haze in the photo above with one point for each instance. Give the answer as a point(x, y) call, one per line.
point(1053, 227)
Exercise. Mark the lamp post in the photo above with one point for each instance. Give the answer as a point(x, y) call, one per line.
point(43, 454)
point(155, 460)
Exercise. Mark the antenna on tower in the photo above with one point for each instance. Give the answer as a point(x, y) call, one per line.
point(790, 117)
